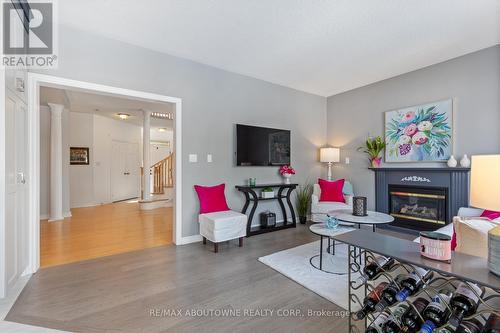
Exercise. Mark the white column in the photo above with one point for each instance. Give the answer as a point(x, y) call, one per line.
point(56, 176)
point(146, 158)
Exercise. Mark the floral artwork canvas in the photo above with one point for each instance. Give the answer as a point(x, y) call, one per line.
point(420, 133)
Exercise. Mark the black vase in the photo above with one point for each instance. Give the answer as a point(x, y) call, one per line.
point(302, 219)
point(359, 206)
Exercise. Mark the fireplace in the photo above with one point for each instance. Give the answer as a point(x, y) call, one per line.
point(416, 207)
point(421, 198)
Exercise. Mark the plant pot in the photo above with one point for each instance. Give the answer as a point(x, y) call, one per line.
point(375, 162)
point(286, 177)
point(302, 219)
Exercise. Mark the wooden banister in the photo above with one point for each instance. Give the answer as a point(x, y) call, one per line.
point(162, 173)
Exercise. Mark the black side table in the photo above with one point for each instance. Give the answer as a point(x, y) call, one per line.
point(252, 196)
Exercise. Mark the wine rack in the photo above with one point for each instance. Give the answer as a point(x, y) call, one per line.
point(365, 247)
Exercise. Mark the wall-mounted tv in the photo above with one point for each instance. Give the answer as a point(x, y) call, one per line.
point(261, 146)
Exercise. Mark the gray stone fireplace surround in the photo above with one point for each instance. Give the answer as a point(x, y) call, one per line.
point(455, 182)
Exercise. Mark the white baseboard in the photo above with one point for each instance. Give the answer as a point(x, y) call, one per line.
point(46, 216)
point(190, 239)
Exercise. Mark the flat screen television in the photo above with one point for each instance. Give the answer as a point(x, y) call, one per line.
point(261, 146)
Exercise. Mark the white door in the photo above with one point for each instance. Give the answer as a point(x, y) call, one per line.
point(125, 171)
point(16, 224)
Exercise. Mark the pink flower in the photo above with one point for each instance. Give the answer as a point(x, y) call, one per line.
point(410, 130)
point(286, 169)
point(420, 138)
point(409, 116)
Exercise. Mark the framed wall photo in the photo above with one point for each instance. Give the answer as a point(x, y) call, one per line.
point(421, 133)
point(79, 156)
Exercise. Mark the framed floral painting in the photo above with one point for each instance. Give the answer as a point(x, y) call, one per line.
point(422, 133)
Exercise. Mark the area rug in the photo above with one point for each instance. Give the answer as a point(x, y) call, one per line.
point(295, 264)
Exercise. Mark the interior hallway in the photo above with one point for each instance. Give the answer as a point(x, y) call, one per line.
point(105, 230)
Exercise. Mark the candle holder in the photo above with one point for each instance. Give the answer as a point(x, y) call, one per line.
point(359, 206)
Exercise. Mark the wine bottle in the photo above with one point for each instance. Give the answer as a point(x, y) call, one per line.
point(373, 268)
point(371, 300)
point(394, 323)
point(492, 324)
point(413, 283)
point(474, 325)
point(411, 320)
point(388, 296)
point(437, 312)
point(464, 302)
point(378, 323)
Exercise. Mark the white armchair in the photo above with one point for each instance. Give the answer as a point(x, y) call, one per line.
point(320, 209)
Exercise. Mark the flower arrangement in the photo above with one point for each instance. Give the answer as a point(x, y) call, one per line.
point(424, 134)
point(286, 169)
point(373, 147)
point(286, 172)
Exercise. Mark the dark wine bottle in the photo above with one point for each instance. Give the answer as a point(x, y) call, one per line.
point(492, 324)
point(378, 323)
point(437, 312)
point(411, 320)
point(413, 283)
point(394, 323)
point(464, 302)
point(471, 326)
point(388, 296)
point(373, 268)
point(371, 300)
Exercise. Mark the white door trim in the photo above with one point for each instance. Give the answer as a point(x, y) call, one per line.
point(34, 82)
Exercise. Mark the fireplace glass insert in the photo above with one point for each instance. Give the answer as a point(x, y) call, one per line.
point(419, 208)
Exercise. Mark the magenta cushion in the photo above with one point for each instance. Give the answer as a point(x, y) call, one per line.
point(490, 214)
point(331, 190)
point(212, 198)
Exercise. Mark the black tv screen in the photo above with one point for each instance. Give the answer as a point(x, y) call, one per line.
point(262, 146)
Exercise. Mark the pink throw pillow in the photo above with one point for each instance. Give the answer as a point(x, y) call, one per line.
point(490, 215)
point(331, 190)
point(454, 240)
point(212, 198)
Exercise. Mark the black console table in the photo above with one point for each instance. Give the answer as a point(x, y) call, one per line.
point(252, 195)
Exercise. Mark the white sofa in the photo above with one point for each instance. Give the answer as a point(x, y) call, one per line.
point(320, 209)
point(472, 231)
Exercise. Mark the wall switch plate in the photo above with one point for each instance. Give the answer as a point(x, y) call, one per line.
point(347, 160)
point(209, 158)
point(193, 158)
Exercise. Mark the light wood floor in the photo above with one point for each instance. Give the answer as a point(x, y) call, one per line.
point(102, 231)
point(117, 293)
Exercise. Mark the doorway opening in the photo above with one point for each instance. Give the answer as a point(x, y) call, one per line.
point(105, 158)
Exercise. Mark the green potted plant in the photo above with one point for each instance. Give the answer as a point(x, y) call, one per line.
point(303, 201)
point(373, 147)
point(267, 193)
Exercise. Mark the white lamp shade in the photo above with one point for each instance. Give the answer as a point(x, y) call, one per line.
point(485, 182)
point(329, 154)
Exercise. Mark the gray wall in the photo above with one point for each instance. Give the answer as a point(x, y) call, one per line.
point(213, 101)
point(473, 81)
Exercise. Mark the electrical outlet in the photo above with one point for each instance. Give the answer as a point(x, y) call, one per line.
point(193, 158)
point(347, 160)
point(209, 158)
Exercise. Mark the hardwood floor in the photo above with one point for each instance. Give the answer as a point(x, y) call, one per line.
point(105, 230)
point(117, 293)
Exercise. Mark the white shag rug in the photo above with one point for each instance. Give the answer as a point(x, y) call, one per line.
point(295, 264)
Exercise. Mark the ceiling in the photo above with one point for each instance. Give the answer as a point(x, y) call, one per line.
point(107, 105)
point(323, 47)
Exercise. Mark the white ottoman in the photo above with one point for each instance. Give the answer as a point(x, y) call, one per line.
point(222, 226)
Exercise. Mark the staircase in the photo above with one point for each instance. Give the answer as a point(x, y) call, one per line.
point(162, 187)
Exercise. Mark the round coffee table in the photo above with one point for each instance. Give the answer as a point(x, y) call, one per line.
point(321, 230)
point(373, 218)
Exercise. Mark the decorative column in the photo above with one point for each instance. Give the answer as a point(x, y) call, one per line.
point(56, 175)
point(146, 158)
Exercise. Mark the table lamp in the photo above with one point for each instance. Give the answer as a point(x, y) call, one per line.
point(329, 155)
point(485, 182)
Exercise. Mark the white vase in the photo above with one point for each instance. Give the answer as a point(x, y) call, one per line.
point(452, 162)
point(465, 161)
point(286, 177)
